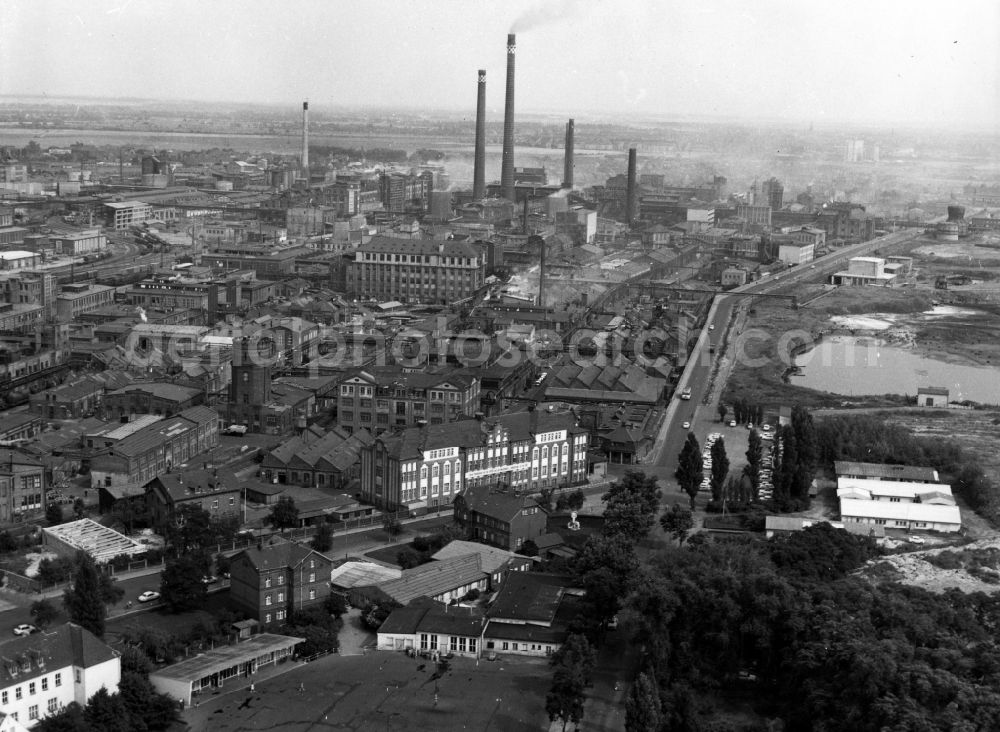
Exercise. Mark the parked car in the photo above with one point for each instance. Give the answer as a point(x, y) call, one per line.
point(732, 423)
point(766, 428)
point(25, 629)
point(149, 596)
point(686, 425)
point(912, 539)
point(207, 580)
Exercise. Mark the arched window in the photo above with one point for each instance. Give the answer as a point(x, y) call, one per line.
point(435, 470)
point(534, 454)
point(458, 467)
point(423, 472)
point(565, 449)
point(545, 453)
point(447, 468)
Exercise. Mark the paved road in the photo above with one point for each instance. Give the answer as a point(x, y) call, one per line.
point(671, 438)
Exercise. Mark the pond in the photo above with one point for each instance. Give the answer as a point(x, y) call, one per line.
point(857, 366)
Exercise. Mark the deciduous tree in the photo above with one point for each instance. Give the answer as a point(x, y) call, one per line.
point(677, 522)
point(44, 613)
point(632, 505)
point(284, 514)
point(573, 666)
point(181, 587)
point(54, 514)
point(322, 541)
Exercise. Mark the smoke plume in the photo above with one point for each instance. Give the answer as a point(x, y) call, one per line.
point(546, 13)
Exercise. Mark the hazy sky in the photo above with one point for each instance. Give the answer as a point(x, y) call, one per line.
point(879, 61)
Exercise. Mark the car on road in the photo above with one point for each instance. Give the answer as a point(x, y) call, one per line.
point(766, 428)
point(912, 540)
point(25, 629)
point(149, 596)
point(207, 580)
point(732, 423)
point(749, 425)
point(711, 326)
point(686, 425)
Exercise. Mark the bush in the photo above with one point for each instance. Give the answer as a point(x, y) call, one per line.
point(471, 595)
point(407, 559)
point(421, 543)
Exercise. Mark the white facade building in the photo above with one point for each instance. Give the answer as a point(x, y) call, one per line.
point(42, 673)
point(796, 252)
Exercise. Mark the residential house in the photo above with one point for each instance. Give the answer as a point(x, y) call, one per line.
point(268, 582)
point(45, 672)
point(218, 492)
point(499, 518)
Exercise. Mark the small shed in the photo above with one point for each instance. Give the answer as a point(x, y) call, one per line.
point(932, 396)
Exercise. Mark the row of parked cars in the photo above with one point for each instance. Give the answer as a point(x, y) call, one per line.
point(765, 488)
point(706, 461)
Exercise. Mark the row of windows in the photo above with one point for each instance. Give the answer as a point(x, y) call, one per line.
point(19, 690)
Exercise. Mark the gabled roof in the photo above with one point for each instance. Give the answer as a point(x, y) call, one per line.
point(286, 555)
point(50, 650)
point(160, 390)
point(434, 578)
point(491, 558)
point(184, 484)
point(503, 506)
point(432, 617)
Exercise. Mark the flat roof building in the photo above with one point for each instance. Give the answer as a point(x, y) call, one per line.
point(210, 670)
point(100, 542)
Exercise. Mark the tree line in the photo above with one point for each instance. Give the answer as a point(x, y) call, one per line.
point(782, 625)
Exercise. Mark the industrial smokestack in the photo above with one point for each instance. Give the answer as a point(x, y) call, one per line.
point(541, 272)
point(568, 159)
point(305, 137)
point(631, 196)
point(507, 164)
point(479, 172)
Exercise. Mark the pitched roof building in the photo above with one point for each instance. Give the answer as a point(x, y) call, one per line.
point(423, 468)
point(44, 672)
point(270, 581)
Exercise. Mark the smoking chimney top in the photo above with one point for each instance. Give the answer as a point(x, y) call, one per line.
point(482, 75)
point(510, 43)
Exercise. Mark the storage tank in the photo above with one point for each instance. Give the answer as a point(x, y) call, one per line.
point(956, 213)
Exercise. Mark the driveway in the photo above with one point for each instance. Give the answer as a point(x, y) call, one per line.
point(354, 637)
